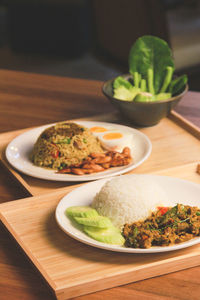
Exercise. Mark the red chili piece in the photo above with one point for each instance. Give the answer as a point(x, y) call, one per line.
point(163, 210)
point(55, 154)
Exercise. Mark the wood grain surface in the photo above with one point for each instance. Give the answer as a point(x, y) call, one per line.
point(72, 268)
point(172, 140)
point(31, 100)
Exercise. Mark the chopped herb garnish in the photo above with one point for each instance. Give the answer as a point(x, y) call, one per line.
point(64, 141)
point(183, 207)
point(84, 141)
point(62, 166)
point(182, 221)
point(198, 213)
point(135, 232)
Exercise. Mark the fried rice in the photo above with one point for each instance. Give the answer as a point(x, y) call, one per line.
point(63, 145)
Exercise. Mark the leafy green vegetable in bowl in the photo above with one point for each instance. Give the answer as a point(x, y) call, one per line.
point(151, 67)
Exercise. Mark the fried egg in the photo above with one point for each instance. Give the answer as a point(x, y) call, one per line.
point(115, 140)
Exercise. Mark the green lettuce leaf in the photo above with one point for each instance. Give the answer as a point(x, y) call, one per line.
point(122, 93)
point(120, 81)
point(162, 96)
point(177, 85)
point(151, 53)
point(144, 97)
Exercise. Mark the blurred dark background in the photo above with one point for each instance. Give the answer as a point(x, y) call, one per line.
point(91, 38)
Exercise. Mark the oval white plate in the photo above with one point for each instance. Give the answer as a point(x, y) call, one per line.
point(19, 149)
point(178, 191)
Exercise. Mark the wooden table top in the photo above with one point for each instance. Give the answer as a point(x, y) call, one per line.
point(29, 100)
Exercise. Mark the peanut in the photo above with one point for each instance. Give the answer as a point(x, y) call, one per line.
point(76, 165)
point(116, 162)
point(78, 171)
point(118, 155)
point(102, 160)
point(97, 168)
point(88, 171)
point(126, 152)
point(106, 165)
point(87, 166)
point(66, 170)
point(95, 154)
point(127, 160)
point(87, 159)
point(111, 153)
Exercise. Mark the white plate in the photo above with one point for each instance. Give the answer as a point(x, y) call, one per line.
point(178, 191)
point(19, 149)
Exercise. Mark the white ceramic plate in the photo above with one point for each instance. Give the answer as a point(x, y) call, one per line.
point(178, 191)
point(19, 149)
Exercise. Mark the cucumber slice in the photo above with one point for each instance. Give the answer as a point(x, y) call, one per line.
point(110, 235)
point(81, 211)
point(98, 221)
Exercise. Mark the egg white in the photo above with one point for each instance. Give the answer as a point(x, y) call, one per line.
point(116, 144)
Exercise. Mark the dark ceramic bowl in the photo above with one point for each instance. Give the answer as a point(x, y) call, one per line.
point(142, 113)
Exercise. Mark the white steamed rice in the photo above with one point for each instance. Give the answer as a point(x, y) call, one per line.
point(128, 199)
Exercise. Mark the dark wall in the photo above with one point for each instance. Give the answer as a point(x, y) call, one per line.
point(61, 29)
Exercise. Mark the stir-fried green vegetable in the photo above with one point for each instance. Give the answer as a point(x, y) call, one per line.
point(151, 67)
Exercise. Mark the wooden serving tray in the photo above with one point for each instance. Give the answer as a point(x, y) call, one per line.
point(175, 143)
point(72, 268)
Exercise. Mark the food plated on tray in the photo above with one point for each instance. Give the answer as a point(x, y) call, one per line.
point(72, 148)
point(134, 213)
point(139, 209)
point(78, 151)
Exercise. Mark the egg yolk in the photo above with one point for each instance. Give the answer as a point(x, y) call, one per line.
point(98, 129)
point(112, 136)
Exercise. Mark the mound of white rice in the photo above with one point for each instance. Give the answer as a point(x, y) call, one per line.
point(129, 198)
